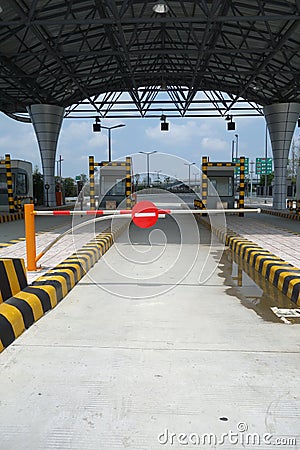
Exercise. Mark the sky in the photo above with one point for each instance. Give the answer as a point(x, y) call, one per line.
point(188, 140)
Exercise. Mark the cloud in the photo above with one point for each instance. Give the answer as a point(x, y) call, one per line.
point(213, 144)
point(18, 139)
point(179, 133)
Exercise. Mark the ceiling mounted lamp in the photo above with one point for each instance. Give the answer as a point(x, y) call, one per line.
point(160, 7)
point(97, 125)
point(231, 124)
point(299, 122)
point(164, 126)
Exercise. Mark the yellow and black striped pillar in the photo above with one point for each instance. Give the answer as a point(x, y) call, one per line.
point(92, 181)
point(13, 277)
point(128, 184)
point(242, 185)
point(11, 203)
point(204, 181)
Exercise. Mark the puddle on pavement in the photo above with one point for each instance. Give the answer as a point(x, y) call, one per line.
point(253, 291)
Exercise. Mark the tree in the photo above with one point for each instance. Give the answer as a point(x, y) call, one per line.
point(270, 177)
point(38, 186)
point(69, 187)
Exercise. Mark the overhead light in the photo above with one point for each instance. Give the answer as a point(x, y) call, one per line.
point(299, 122)
point(164, 126)
point(231, 124)
point(97, 125)
point(160, 7)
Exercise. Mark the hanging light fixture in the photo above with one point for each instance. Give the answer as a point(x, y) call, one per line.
point(97, 125)
point(231, 124)
point(160, 7)
point(164, 126)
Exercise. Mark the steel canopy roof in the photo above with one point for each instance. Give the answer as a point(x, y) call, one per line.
point(63, 52)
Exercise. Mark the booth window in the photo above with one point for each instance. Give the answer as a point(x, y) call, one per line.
point(112, 186)
point(223, 186)
point(21, 184)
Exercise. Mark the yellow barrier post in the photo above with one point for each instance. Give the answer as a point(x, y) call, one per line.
point(128, 183)
point(92, 182)
point(204, 181)
point(30, 236)
point(242, 185)
point(11, 204)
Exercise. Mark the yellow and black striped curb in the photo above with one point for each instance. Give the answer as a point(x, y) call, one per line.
point(21, 239)
point(280, 273)
point(10, 217)
point(11, 242)
point(285, 215)
point(21, 310)
point(12, 276)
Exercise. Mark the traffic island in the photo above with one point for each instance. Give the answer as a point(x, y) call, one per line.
point(281, 274)
point(26, 306)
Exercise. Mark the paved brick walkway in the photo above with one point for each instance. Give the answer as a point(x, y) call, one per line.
point(64, 248)
point(281, 242)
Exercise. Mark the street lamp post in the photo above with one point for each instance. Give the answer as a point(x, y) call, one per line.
point(109, 137)
point(58, 169)
point(237, 146)
point(189, 164)
point(148, 164)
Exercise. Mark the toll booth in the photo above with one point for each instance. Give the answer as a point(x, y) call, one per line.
point(222, 180)
point(221, 176)
point(114, 184)
point(16, 183)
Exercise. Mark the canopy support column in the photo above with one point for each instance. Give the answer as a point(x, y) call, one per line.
point(281, 119)
point(47, 121)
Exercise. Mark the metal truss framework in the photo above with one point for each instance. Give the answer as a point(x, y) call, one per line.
point(78, 52)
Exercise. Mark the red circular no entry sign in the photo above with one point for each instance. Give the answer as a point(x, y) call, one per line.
point(144, 214)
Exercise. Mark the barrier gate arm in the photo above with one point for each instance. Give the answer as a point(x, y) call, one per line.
point(30, 213)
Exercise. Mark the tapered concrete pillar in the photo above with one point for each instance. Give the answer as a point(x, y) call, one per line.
point(47, 121)
point(281, 120)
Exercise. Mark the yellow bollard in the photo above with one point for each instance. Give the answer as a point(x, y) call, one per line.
point(30, 236)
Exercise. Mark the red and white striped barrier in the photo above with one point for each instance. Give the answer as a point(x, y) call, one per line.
point(144, 214)
point(97, 212)
point(130, 212)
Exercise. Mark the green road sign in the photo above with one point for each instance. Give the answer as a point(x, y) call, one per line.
point(263, 166)
point(78, 178)
point(237, 169)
